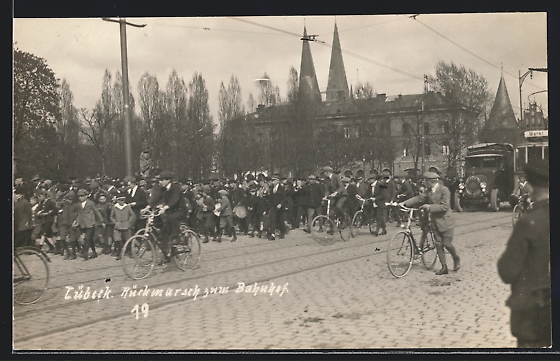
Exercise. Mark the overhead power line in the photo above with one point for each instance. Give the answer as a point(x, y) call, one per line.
point(330, 45)
point(468, 51)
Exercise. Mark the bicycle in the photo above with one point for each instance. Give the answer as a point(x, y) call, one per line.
point(139, 254)
point(360, 218)
point(342, 227)
point(523, 205)
point(403, 249)
point(31, 275)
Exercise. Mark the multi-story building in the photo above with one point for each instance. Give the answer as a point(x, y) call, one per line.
point(381, 131)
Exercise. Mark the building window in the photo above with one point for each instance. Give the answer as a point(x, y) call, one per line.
point(426, 128)
point(406, 149)
point(427, 148)
point(445, 127)
point(445, 147)
point(346, 132)
point(405, 129)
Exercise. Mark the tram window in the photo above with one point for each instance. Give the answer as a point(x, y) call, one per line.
point(472, 163)
point(519, 159)
point(534, 153)
point(489, 163)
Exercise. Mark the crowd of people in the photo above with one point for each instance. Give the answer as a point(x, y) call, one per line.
point(78, 217)
point(75, 216)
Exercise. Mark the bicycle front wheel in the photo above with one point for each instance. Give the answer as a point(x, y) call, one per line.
point(138, 257)
point(345, 227)
point(31, 276)
point(517, 212)
point(429, 252)
point(357, 223)
point(186, 251)
point(323, 230)
point(400, 254)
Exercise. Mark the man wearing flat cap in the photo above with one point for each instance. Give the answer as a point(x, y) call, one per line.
point(172, 207)
point(525, 265)
point(435, 199)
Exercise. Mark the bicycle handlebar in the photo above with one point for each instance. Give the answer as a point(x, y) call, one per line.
point(150, 213)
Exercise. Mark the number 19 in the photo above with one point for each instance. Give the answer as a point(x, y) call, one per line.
point(145, 309)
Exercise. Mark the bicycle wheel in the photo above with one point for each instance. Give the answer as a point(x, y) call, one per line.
point(400, 254)
point(323, 230)
point(345, 227)
point(186, 250)
point(357, 223)
point(517, 212)
point(428, 247)
point(31, 276)
point(138, 257)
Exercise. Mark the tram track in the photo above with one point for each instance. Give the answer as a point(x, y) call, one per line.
point(120, 275)
point(224, 254)
point(74, 305)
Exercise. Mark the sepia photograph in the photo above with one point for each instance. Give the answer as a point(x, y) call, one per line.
point(275, 183)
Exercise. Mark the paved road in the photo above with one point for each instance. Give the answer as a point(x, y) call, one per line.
point(306, 296)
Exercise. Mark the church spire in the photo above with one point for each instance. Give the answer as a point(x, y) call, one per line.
point(337, 87)
point(308, 85)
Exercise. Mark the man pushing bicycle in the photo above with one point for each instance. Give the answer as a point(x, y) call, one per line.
point(435, 198)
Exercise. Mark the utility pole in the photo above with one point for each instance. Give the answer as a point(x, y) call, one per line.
point(124, 62)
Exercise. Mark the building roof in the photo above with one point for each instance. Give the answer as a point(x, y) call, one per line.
point(338, 84)
point(501, 115)
point(308, 85)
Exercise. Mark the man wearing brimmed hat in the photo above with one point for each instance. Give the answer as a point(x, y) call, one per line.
point(435, 199)
point(276, 205)
point(88, 217)
point(172, 206)
point(525, 265)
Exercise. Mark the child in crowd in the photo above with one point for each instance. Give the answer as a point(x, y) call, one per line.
point(123, 219)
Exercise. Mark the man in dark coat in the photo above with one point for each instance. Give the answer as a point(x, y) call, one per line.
point(315, 194)
point(525, 265)
point(171, 205)
point(435, 199)
point(276, 206)
point(137, 198)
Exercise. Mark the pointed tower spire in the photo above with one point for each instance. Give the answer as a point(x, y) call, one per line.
point(337, 88)
point(502, 115)
point(308, 85)
point(501, 118)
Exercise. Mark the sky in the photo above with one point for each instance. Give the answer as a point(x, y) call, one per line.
point(391, 52)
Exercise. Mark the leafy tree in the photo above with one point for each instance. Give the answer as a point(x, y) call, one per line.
point(232, 140)
point(69, 132)
point(199, 129)
point(461, 87)
point(269, 93)
point(35, 114)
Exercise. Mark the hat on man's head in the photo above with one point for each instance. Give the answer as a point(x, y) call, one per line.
point(327, 169)
point(537, 172)
point(121, 195)
point(94, 185)
point(345, 179)
point(431, 175)
point(130, 179)
point(433, 170)
point(35, 178)
point(166, 174)
point(82, 192)
point(348, 173)
point(312, 176)
point(222, 192)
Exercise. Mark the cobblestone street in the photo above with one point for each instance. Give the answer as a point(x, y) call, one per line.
point(296, 295)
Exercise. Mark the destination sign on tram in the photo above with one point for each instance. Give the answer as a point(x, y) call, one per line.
point(535, 133)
